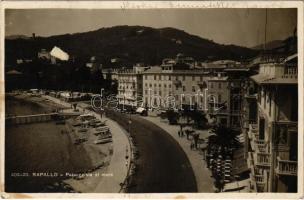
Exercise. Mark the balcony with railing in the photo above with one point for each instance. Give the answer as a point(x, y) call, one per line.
point(257, 144)
point(258, 182)
point(260, 146)
point(282, 71)
point(261, 159)
point(286, 167)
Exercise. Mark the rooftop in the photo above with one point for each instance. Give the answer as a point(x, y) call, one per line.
point(263, 80)
point(158, 70)
point(285, 72)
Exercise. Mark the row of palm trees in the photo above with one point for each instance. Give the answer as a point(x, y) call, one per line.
point(221, 144)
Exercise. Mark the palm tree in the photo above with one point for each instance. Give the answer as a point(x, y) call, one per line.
point(223, 137)
point(220, 147)
point(199, 119)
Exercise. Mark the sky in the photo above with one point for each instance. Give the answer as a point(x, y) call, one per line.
point(243, 27)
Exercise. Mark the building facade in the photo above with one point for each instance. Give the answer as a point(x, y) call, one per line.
point(272, 127)
point(130, 84)
point(110, 74)
point(163, 88)
point(219, 101)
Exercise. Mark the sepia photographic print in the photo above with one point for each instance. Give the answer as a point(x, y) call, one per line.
point(182, 98)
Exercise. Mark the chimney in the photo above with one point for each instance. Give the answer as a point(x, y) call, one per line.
point(33, 36)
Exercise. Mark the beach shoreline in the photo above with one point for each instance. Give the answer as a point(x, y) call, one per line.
point(42, 146)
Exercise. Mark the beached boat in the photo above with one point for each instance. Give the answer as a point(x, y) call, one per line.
point(103, 141)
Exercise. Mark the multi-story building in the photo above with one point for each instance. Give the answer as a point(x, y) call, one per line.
point(110, 74)
point(272, 117)
point(237, 78)
point(173, 88)
point(219, 100)
point(177, 84)
point(130, 86)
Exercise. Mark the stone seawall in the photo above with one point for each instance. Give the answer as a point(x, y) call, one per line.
point(28, 119)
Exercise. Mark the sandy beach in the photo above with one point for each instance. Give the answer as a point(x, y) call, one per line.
point(42, 157)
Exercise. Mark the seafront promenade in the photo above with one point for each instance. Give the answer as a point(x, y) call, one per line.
point(117, 170)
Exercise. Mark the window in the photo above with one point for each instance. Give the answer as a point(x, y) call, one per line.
point(184, 88)
point(159, 85)
point(169, 77)
point(159, 77)
point(150, 85)
point(159, 93)
point(219, 85)
point(184, 77)
point(145, 77)
point(269, 98)
point(165, 85)
point(155, 85)
point(219, 98)
point(265, 94)
point(262, 129)
point(146, 85)
point(146, 91)
point(176, 78)
point(193, 88)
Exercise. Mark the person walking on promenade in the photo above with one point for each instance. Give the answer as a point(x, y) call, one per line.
point(181, 130)
point(191, 145)
point(195, 138)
